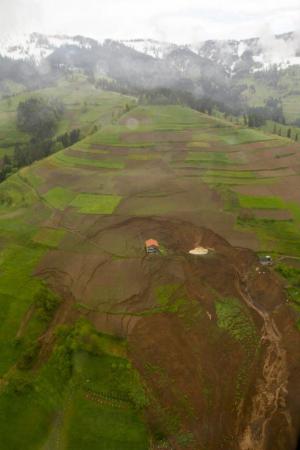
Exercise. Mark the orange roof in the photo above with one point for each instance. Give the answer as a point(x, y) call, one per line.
point(151, 242)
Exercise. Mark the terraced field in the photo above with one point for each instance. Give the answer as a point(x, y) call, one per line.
point(89, 364)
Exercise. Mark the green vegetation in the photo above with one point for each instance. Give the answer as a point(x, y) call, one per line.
point(38, 117)
point(283, 85)
point(167, 299)
point(59, 198)
point(96, 204)
point(292, 276)
point(46, 304)
point(244, 136)
point(208, 157)
point(17, 290)
point(233, 174)
point(144, 156)
point(89, 385)
point(62, 158)
point(104, 428)
point(283, 130)
point(247, 201)
point(85, 108)
point(14, 193)
point(50, 237)
point(226, 177)
point(233, 318)
point(280, 236)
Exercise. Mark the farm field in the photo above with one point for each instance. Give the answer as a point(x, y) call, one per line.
point(103, 347)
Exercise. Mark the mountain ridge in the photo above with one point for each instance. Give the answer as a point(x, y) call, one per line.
point(37, 46)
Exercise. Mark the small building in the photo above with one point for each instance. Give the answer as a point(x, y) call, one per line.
point(266, 260)
point(152, 246)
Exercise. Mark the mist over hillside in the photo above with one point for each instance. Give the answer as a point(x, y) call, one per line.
point(269, 49)
point(231, 73)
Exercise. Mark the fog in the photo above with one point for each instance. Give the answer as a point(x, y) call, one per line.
point(178, 21)
point(275, 50)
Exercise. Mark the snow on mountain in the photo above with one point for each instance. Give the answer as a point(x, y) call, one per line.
point(259, 53)
point(150, 47)
point(36, 47)
point(233, 55)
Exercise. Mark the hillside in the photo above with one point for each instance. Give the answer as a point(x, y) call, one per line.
point(135, 351)
point(85, 107)
point(284, 85)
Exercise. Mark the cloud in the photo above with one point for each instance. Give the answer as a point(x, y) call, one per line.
point(179, 21)
point(18, 16)
point(276, 50)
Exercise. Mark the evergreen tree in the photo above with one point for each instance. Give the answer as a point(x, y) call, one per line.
point(39, 117)
point(6, 160)
point(74, 136)
point(20, 158)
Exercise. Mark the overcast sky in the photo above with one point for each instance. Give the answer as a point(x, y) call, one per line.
point(178, 21)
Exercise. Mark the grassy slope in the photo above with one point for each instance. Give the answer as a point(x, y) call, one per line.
point(33, 405)
point(59, 408)
point(287, 89)
point(85, 105)
point(295, 131)
point(9, 88)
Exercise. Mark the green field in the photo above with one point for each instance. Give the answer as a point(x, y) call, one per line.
point(62, 158)
point(49, 237)
point(247, 201)
point(208, 157)
point(59, 198)
point(96, 204)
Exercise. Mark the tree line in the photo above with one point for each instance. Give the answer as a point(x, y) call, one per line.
point(254, 117)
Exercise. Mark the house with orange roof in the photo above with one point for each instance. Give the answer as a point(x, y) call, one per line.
point(152, 246)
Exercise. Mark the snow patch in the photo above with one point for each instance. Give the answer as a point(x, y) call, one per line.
point(36, 47)
point(150, 47)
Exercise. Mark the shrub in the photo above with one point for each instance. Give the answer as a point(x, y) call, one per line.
point(29, 356)
point(19, 384)
point(46, 303)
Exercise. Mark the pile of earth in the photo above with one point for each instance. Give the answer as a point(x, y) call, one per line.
point(212, 336)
